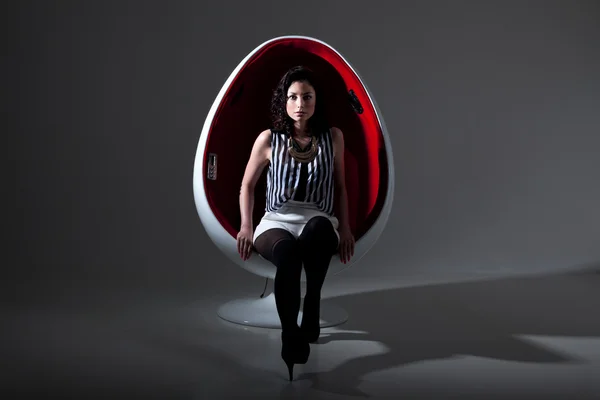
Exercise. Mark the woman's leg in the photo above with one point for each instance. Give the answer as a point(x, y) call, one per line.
point(318, 243)
point(280, 247)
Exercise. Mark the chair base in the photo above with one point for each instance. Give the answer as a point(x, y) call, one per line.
point(262, 313)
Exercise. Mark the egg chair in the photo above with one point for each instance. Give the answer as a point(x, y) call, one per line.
point(240, 112)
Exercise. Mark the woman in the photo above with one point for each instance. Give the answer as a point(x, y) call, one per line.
point(299, 228)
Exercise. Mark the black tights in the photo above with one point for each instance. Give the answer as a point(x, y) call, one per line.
point(313, 249)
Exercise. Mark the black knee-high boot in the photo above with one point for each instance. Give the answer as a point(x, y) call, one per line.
point(286, 257)
point(287, 288)
point(318, 243)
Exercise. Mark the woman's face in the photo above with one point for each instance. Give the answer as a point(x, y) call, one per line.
point(300, 103)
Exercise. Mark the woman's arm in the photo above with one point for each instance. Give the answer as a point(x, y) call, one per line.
point(259, 158)
point(346, 247)
point(340, 178)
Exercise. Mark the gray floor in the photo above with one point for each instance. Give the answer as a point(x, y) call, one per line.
point(518, 337)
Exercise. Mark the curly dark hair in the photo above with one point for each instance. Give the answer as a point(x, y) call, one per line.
point(281, 121)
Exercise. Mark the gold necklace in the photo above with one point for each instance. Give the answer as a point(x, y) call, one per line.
point(305, 156)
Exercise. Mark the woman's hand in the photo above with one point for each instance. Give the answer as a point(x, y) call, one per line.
point(244, 243)
point(346, 248)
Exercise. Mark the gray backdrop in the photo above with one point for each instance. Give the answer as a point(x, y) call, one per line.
point(492, 108)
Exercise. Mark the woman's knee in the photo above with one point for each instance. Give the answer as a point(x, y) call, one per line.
point(277, 246)
point(286, 250)
point(319, 229)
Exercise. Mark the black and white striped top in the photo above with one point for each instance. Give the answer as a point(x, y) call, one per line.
point(288, 179)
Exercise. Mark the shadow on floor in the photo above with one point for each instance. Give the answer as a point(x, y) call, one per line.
point(483, 319)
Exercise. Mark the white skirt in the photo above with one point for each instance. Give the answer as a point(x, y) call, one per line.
point(292, 217)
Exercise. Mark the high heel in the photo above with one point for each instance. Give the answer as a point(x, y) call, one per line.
point(290, 366)
point(294, 350)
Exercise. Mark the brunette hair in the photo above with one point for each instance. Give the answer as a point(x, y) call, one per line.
point(281, 121)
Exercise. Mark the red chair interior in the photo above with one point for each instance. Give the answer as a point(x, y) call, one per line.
point(244, 113)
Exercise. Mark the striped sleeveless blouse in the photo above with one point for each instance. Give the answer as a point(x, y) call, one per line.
point(288, 179)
